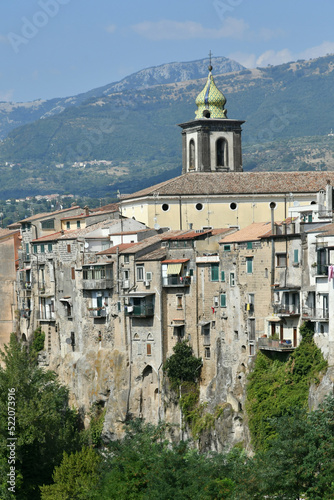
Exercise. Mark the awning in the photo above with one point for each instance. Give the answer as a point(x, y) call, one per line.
point(66, 299)
point(139, 295)
point(28, 268)
point(204, 322)
point(174, 268)
point(274, 319)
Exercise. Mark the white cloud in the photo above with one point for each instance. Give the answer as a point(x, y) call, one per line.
point(274, 58)
point(111, 28)
point(317, 51)
point(4, 40)
point(247, 60)
point(177, 30)
point(6, 95)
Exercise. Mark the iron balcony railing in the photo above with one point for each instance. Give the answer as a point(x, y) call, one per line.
point(176, 281)
point(142, 310)
point(98, 313)
point(274, 345)
point(316, 313)
point(286, 309)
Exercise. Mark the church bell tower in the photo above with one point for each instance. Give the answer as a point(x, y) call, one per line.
point(211, 142)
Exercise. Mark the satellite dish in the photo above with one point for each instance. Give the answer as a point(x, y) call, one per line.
point(68, 341)
point(86, 244)
point(296, 204)
point(156, 226)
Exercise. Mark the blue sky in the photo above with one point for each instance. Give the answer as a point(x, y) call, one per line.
point(58, 48)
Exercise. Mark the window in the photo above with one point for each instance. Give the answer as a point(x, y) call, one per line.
point(233, 205)
point(149, 349)
point(281, 260)
point(49, 247)
point(249, 245)
point(249, 265)
point(223, 300)
point(48, 224)
point(199, 206)
point(221, 153)
point(192, 155)
point(179, 302)
point(232, 280)
point(295, 256)
point(206, 334)
point(78, 224)
point(251, 349)
point(222, 276)
point(42, 247)
point(214, 272)
point(251, 301)
point(227, 248)
point(215, 301)
point(252, 329)
point(68, 225)
point(34, 248)
point(140, 273)
point(68, 248)
point(165, 207)
point(126, 259)
point(207, 353)
point(72, 273)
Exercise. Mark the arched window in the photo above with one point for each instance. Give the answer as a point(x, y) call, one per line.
point(192, 155)
point(221, 153)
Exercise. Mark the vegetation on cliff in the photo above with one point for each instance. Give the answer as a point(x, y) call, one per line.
point(279, 384)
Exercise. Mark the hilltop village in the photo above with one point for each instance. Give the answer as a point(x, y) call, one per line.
point(233, 262)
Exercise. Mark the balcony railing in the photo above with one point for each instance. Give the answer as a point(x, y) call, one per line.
point(45, 316)
point(142, 310)
point(97, 313)
point(102, 284)
point(286, 309)
point(176, 281)
point(25, 313)
point(315, 313)
point(322, 269)
point(275, 345)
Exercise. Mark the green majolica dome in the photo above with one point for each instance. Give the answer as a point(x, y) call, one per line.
point(210, 102)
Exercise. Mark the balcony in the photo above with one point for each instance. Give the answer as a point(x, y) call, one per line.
point(25, 313)
point(45, 316)
point(266, 344)
point(140, 311)
point(322, 269)
point(315, 314)
point(97, 284)
point(176, 281)
point(287, 309)
point(97, 312)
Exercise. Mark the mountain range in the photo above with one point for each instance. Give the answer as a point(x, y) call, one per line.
point(132, 124)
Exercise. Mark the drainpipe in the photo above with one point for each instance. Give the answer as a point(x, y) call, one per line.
point(272, 280)
point(180, 210)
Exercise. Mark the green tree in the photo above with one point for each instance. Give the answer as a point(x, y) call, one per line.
point(75, 478)
point(182, 366)
point(44, 424)
point(145, 465)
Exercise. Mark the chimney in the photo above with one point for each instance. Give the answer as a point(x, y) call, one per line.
point(86, 209)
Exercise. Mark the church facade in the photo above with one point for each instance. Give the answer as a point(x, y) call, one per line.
point(213, 191)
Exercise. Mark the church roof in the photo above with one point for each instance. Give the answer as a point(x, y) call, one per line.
point(225, 183)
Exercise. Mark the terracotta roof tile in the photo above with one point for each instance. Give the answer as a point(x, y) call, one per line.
point(250, 233)
point(218, 183)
